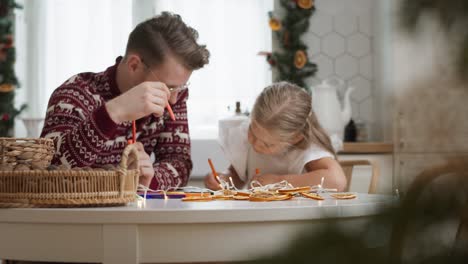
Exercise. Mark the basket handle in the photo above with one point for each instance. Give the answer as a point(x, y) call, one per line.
point(2, 154)
point(130, 154)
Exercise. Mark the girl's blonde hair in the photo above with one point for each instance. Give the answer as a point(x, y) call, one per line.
point(285, 110)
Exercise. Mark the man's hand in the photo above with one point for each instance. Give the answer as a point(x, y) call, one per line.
point(142, 100)
point(146, 166)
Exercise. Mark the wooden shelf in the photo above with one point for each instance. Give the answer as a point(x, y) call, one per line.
point(367, 147)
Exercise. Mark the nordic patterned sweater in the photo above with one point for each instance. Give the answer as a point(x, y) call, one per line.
point(85, 135)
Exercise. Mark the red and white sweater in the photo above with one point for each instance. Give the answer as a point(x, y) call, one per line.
point(85, 135)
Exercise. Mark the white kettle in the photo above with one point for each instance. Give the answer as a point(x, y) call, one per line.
point(330, 113)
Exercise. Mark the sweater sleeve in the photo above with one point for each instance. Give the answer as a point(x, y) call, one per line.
point(173, 163)
point(79, 123)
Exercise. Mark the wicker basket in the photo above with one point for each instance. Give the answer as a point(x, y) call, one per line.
point(25, 153)
point(72, 188)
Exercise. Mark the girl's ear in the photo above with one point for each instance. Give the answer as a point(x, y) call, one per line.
point(296, 139)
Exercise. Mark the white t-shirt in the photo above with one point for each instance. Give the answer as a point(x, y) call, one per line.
point(245, 160)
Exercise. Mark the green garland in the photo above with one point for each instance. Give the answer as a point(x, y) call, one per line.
point(291, 61)
point(8, 80)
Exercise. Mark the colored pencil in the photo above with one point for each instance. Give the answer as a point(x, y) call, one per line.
point(171, 113)
point(215, 175)
point(134, 131)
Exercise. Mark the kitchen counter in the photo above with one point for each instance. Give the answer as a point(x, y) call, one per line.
point(367, 148)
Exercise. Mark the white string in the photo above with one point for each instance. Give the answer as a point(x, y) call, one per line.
point(319, 188)
point(257, 186)
point(222, 183)
point(232, 184)
point(226, 185)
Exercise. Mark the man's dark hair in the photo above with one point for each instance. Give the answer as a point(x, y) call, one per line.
point(166, 34)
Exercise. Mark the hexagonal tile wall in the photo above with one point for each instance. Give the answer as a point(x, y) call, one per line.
point(365, 67)
point(331, 7)
point(362, 88)
point(345, 25)
point(333, 45)
point(321, 23)
point(357, 7)
point(344, 29)
point(326, 66)
point(346, 66)
point(358, 45)
point(313, 42)
point(365, 25)
point(354, 110)
point(366, 110)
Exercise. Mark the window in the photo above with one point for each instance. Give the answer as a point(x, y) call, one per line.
point(65, 37)
point(234, 32)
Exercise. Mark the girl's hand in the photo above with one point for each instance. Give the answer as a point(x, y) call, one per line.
point(265, 179)
point(212, 184)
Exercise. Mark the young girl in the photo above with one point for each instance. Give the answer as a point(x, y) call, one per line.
point(283, 140)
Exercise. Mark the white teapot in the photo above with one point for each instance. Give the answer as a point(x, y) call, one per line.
point(330, 113)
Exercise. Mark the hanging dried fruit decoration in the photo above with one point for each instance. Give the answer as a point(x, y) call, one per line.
point(275, 24)
point(305, 4)
point(300, 59)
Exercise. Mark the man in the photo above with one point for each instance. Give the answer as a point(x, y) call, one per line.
point(90, 115)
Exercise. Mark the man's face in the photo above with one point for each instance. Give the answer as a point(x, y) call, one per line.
point(171, 72)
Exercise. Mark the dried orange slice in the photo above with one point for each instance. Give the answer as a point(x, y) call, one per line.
point(312, 196)
point(269, 198)
point(282, 197)
point(228, 192)
point(240, 197)
point(197, 199)
point(222, 197)
point(239, 193)
point(343, 196)
point(295, 190)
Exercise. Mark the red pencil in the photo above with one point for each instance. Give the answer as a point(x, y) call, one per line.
point(169, 109)
point(213, 170)
point(134, 131)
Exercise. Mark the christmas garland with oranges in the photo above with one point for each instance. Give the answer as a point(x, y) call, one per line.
point(8, 80)
point(291, 60)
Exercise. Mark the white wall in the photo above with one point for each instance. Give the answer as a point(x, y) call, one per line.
point(345, 39)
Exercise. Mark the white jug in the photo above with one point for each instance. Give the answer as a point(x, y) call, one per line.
point(330, 113)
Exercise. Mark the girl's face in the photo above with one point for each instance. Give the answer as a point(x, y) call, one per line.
point(264, 142)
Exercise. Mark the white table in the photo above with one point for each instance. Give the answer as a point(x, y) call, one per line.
point(171, 230)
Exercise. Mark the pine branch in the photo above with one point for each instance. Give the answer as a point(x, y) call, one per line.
point(293, 26)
